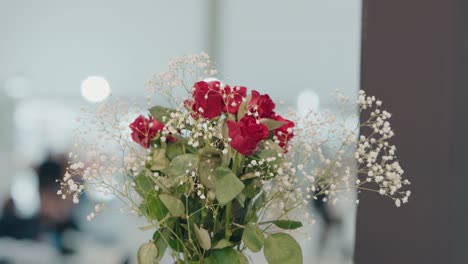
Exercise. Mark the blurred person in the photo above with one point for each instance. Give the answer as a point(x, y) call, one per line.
point(55, 213)
point(54, 216)
point(334, 225)
point(329, 219)
point(11, 225)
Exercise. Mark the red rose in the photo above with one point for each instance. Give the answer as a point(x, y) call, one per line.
point(144, 130)
point(233, 98)
point(208, 101)
point(261, 106)
point(246, 134)
point(285, 133)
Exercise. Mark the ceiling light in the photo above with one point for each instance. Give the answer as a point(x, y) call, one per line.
point(95, 89)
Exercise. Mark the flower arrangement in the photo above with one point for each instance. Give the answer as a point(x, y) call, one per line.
point(222, 172)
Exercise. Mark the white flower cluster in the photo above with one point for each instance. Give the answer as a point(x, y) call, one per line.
point(70, 185)
point(182, 72)
point(327, 156)
point(376, 157)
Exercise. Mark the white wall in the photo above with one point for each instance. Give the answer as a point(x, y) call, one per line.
point(6, 144)
point(50, 46)
point(57, 43)
point(284, 47)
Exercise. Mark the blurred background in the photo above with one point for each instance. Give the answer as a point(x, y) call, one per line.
point(57, 56)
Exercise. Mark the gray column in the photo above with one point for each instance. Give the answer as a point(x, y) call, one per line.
point(413, 58)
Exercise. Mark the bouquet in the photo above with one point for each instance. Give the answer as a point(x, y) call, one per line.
point(220, 171)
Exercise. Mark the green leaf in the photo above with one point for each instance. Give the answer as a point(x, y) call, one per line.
point(225, 130)
point(155, 208)
point(159, 161)
point(203, 237)
point(175, 149)
point(243, 107)
point(253, 237)
point(260, 201)
point(180, 164)
point(209, 152)
point(250, 189)
point(147, 253)
point(281, 248)
point(228, 186)
point(287, 224)
point(247, 176)
point(226, 255)
point(270, 149)
point(162, 114)
point(271, 124)
point(222, 244)
point(160, 239)
point(222, 130)
point(206, 170)
point(184, 188)
point(175, 244)
point(165, 238)
point(173, 204)
point(178, 167)
point(190, 149)
point(242, 258)
point(143, 183)
point(254, 206)
point(241, 199)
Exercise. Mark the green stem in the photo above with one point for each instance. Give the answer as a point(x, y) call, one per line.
point(215, 217)
point(188, 218)
point(204, 212)
point(235, 166)
point(228, 219)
